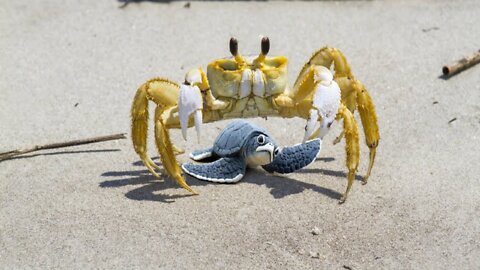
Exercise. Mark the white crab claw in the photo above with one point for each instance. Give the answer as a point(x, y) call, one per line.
point(323, 74)
point(326, 100)
point(198, 122)
point(311, 123)
point(325, 127)
point(189, 101)
point(193, 76)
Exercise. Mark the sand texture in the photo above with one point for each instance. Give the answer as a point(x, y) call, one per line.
point(70, 71)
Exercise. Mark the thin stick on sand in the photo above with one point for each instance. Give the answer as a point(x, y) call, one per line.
point(10, 154)
point(461, 64)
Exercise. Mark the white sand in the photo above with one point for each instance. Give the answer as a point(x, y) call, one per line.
point(95, 206)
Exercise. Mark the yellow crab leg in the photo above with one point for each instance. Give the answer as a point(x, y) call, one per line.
point(355, 96)
point(165, 94)
point(369, 122)
point(325, 57)
point(352, 146)
point(165, 148)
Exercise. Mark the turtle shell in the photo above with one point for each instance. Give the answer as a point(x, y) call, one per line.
point(233, 137)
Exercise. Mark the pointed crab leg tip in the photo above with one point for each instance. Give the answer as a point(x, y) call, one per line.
point(189, 189)
point(365, 180)
point(150, 168)
point(181, 181)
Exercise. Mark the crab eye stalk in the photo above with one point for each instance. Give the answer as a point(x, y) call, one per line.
point(265, 45)
point(233, 46)
point(234, 51)
point(261, 139)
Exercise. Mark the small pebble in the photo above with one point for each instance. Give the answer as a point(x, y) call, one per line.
point(314, 255)
point(316, 231)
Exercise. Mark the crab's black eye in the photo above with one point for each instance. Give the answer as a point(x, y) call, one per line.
point(233, 46)
point(276, 151)
point(261, 139)
point(265, 45)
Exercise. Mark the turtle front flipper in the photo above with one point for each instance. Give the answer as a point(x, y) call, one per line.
point(202, 154)
point(224, 170)
point(295, 157)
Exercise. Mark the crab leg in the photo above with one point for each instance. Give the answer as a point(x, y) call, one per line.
point(354, 95)
point(326, 57)
point(164, 146)
point(357, 97)
point(352, 146)
point(164, 93)
point(369, 122)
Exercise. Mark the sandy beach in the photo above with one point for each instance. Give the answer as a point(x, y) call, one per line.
point(70, 71)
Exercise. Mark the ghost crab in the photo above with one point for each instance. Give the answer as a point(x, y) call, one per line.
point(242, 88)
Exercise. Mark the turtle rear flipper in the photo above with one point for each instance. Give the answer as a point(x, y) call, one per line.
point(224, 170)
point(295, 157)
point(199, 155)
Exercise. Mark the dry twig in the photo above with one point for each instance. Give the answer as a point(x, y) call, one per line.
point(10, 154)
point(461, 64)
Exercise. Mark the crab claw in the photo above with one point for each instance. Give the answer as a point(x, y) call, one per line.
point(326, 102)
point(189, 102)
point(193, 77)
point(198, 118)
point(311, 122)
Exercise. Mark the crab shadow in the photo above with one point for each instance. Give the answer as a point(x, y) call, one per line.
point(330, 173)
point(150, 188)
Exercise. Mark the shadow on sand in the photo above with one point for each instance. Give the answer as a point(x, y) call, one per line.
point(280, 186)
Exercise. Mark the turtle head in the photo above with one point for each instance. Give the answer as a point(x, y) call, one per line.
point(259, 150)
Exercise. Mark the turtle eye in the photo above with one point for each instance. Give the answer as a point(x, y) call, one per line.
point(261, 139)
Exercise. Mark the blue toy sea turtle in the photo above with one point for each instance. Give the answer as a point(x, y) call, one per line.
point(243, 144)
